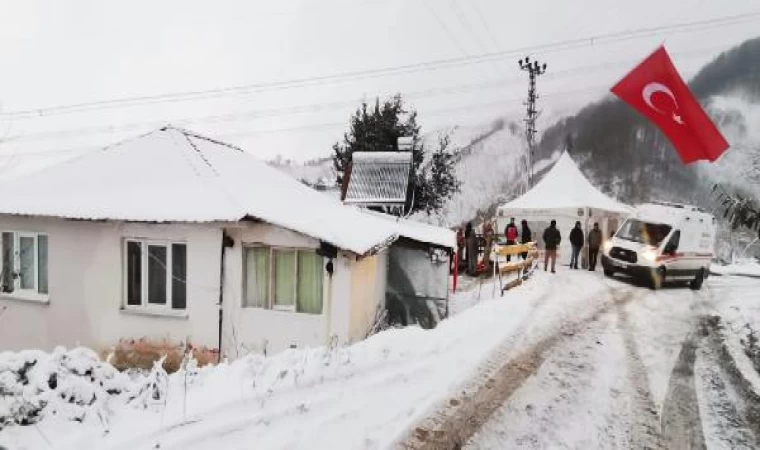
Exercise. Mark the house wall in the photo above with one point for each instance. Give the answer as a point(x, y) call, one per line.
point(368, 285)
point(249, 329)
point(85, 302)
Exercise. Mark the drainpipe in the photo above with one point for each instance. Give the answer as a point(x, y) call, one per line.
point(328, 304)
point(227, 242)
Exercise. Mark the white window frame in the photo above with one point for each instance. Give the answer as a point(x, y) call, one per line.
point(270, 304)
point(145, 305)
point(26, 294)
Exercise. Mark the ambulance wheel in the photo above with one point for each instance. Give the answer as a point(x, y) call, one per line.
point(699, 278)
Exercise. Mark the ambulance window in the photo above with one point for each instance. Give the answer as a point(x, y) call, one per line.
point(675, 240)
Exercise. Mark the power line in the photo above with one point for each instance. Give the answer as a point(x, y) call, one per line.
point(465, 23)
point(311, 127)
point(445, 28)
point(380, 72)
point(319, 107)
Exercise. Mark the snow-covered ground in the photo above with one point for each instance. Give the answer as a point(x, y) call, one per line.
point(606, 381)
point(644, 375)
point(363, 396)
point(745, 267)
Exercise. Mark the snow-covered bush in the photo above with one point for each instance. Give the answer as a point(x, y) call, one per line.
point(73, 384)
point(152, 389)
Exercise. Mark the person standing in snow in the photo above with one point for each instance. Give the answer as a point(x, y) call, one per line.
point(525, 236)
point(471, 241)
point(576, 241)
point(594, 243)
point(552, 239)
point(488, 237)
point(511, 233)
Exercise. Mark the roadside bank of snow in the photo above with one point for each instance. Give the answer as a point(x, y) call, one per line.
point(744, 267)
point(355, 397)
point(738, 303)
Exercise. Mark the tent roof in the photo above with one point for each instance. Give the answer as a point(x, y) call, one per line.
point(172, 175)
point(565, 186)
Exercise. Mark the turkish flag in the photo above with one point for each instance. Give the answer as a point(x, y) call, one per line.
point(655, 89)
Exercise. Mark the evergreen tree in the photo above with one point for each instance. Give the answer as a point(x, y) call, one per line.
point(442, 182)
point(378, 129)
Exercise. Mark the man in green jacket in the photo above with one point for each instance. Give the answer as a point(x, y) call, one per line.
point(594, 243)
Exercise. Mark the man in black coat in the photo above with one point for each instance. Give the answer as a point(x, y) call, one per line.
point(525, 236)
point(576, 241)
point(552, 239)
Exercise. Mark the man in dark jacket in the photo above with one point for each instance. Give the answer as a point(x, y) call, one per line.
point(594, 242)
point(576, 241)
point(552, 239)
point(525, 236)
point(471, 243)
point(510, 232)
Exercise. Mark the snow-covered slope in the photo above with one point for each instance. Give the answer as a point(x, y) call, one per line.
point(489, 165)
point(739, 119)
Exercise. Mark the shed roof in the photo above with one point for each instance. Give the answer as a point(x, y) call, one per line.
point(173, 175)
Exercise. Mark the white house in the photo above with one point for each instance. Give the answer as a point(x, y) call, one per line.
point(148, 237)
point(564, 194)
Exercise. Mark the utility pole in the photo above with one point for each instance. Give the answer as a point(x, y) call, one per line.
point(534, 69)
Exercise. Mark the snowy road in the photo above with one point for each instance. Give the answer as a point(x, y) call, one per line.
point(645, 373)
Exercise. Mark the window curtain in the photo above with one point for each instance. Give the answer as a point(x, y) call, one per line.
point(309, 283)
point(157, 274)
point(256, 277)
point(42, 264)
point(179, 276)
point(284, 277)
point(7, 274)
point(26, 262)
point(134, 273)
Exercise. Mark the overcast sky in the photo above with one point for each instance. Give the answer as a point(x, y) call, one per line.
point(55, 53)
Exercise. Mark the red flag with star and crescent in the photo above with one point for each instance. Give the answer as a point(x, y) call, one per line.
point(656, 90)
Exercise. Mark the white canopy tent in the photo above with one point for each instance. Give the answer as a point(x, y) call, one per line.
point(567, 196)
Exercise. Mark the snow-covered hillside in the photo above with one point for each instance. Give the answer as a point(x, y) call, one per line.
point(738, 117)
point(488, 166)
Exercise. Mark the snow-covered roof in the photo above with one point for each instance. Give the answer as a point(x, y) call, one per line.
point(172, 175)
point(565, 186)
point(419, 231)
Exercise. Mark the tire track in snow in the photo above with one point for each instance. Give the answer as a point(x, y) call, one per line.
point(646, 428)
point(454, 425)
point(723, 422)
point(681, 421)
point(746, 400)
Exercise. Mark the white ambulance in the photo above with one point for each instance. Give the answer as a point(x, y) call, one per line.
point(662, 242)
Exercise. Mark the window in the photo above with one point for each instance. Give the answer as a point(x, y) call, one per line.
point(644, 232)
point(24, 268)
point(155, 274)
point(674, 242)
point(283, 279)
